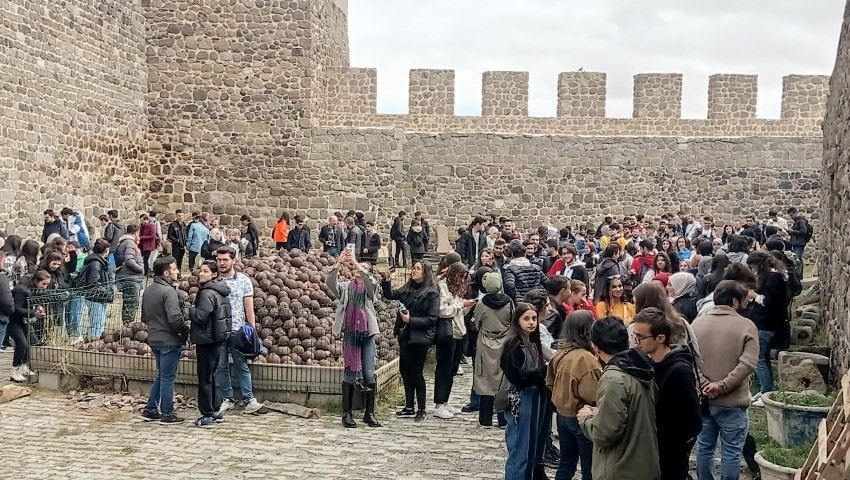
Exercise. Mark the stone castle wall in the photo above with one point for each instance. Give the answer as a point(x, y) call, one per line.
point(834, 266)
point(251, 107)
point(72, 109)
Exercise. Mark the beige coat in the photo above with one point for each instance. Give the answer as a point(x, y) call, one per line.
point(493, 325)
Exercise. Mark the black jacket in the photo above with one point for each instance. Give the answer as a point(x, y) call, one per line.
point(770, 315)
point(331, 237)
point(95, 271)
point(112, 233)
point(20, 299)
point(210, 316)
point(608, 267)
point(520, 279)
point(7, 302)
point(299, 238)
point(798, 231)
point(687, 306)
point(397, 230)
point(253, 236)
point(177, 235)
point(209, 248)
point(416, 240)
point(677, 411)
point(521, 371)
point(556, 320)
point(466, 247)
point(162, 312)
point(371, 243)
point(707, 284)
point(424, 308)
point(56, 226)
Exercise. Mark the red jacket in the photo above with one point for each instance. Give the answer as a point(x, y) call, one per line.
point(147, 237)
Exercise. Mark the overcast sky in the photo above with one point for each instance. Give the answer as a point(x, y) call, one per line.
point(770, 38)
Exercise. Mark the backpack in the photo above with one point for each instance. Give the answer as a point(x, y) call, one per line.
point(248, 342)
point(794, 266)
point(118, 254)
point(809, 230)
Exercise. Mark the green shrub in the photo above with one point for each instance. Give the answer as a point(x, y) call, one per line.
point(803, 400)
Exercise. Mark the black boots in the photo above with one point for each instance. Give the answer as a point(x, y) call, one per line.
point(347, 398)
point(369, 416)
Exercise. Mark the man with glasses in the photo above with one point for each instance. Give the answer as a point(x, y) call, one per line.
point(677, 415)
point(242, 312)
point(729, 349)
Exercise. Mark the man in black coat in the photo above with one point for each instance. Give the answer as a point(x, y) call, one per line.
point(177, 236)
point(472, 241)
point(426, 227)
point(398, 236)
point(677, 412)
point(371, 244)
point(53, 224)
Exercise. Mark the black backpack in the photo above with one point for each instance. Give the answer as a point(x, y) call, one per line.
point(793, 265)
point(809, 230)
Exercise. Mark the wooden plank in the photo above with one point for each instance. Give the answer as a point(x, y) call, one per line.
point(823, 444)
point(845, 390)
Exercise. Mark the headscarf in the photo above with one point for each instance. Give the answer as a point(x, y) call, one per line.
point(662, 277)
point(682, 283)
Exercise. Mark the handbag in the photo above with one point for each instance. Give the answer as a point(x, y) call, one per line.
point(500, 400)
point(444, 329)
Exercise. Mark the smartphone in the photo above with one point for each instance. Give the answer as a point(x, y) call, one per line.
point(401, 308)
point(350, 247)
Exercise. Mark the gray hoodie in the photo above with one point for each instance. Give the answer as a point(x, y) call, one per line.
point(133, 264)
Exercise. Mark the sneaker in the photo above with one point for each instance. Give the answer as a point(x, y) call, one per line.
point(406, 412)
point(226, 405)
point(442, 411)
point(421, 416)
point(551, 457)
point(459, 371)
point(149, 416)
point(253, 406)
point(218, 417)
point(17, 375)
point(454, 410)
point(463, 360)
point(205, 422)
point(171, 419)
point(25, 370)
point(3, 350)
point(756, 400)
point(468, 409)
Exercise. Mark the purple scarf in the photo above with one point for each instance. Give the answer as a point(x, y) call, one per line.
point(355, 328)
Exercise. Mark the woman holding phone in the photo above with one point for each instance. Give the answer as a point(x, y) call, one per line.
point(415, 327)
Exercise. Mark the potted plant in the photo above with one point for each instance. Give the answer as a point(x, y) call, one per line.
point(777, 463)
point(793, 418)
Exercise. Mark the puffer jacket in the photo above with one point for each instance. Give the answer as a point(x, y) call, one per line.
point(7, 302)
point(210, 315)
point(162, 312)
point(424, 307)
point(520, 277)
point(133, 264)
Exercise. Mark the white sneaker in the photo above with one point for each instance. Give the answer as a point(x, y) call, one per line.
point(253, 406)
point(460, 371)
point(442, 411)
point(25, 370)
point(226, 405)
point(17, 375)
point(454, 410)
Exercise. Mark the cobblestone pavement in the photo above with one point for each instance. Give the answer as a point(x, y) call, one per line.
point(45, 436)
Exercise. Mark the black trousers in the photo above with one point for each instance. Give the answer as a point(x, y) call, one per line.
point(443, 375)
point(460, 349)
point(18, 332)
point(178, 254)
point(192, 257)
point(209, 398)
point(147, 256)
point(411, 364)
point(485, 412)
point(402, 250)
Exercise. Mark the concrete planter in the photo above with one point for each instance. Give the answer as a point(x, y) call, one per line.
point(772, 471)
point(792, 425)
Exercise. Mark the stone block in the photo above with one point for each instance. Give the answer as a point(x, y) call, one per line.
point(804, 96)
point(581, 94)
point(732, 96)
point(431, 92)
point(802, 371)
point(657, 95)
point(504, 94)
point(351, 90)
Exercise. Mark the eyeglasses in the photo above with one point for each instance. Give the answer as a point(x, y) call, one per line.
point(640, 338)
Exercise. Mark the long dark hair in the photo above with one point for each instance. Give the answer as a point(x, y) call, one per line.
point(30, 251)
point(457, 279)
point(516, 331)
point(576, 329)
point(667, 266)
point(725, 236)
point(606, 291)
point(719, 262)
point(12, 246)
point(761, 263)
point(651, 295)
point(50, 257)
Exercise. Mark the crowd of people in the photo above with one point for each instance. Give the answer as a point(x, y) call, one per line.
point(635, 338)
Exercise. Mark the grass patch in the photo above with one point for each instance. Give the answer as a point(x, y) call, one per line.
point(803, 400)
point(67, 432)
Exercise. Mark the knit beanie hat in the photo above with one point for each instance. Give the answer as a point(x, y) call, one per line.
point(492, 282)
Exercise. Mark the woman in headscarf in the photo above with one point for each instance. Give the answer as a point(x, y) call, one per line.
point(682, 292)
point(492, 316)
point(357, 321)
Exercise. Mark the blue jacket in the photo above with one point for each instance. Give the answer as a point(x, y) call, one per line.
point(198, 235)
point(78, 227)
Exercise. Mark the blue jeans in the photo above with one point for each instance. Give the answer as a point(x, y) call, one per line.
point(97, 318)
point(161, 397)
point(74, 316)
point(367, 362)
point(574, 447)
point(731, 424)
point(764, 369)
point(522, 434)
point(240, 364)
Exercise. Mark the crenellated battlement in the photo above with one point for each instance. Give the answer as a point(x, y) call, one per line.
point(657, 105)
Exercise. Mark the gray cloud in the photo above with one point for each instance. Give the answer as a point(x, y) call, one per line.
point(619, 37)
